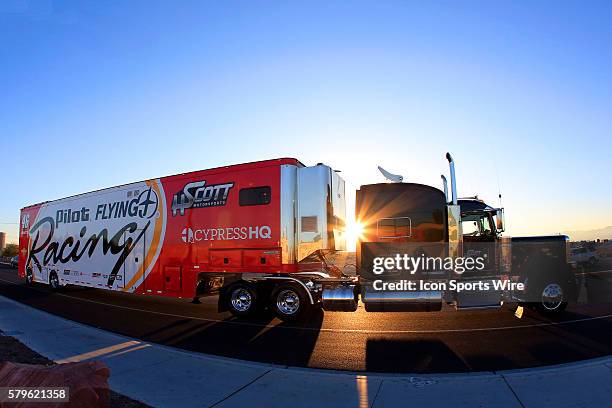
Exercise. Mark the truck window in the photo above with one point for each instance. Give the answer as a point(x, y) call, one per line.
point(254, 196)
point(310, 224)
point(400, 227)
point(470, 228)
point(476, 225)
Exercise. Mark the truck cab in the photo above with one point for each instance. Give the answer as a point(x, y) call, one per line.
point(479, 221)
point(422, 221)
point(481, 228)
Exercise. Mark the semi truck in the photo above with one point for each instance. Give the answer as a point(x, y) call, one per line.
point(420, 220)
point(270, 234)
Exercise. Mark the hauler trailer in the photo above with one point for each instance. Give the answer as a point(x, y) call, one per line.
point(258, 234)
point(240, 229)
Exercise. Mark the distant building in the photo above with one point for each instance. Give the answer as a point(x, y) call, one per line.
point(2, 241)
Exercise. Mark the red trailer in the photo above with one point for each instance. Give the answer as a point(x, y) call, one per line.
point(246, 231)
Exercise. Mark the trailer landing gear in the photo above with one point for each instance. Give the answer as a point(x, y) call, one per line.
point(29, 278)
point(54, 281)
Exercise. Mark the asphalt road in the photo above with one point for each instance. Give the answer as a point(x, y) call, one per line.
point(446, 341)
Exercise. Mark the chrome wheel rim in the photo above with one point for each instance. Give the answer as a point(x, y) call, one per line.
point(241, 300)
point(288, 302)
point(552, 296)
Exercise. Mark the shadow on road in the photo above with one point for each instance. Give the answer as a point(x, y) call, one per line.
point(418, 356)
point(268, 340)
point(264, 339)
point(571, 341)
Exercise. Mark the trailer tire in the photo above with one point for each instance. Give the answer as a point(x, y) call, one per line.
point(242, 299)
point(289, 302)
point(54, 281)
point(553, 297)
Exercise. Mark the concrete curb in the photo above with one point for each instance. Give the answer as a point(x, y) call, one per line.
point(164, 376)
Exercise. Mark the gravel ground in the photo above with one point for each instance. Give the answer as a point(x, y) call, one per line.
point(15, 352)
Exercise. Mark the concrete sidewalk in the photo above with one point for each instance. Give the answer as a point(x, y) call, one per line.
point(162, 376)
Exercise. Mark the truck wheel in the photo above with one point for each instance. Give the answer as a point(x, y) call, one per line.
point(289, 302)
point(54, 281)
point(242, 299)
point(552, 298)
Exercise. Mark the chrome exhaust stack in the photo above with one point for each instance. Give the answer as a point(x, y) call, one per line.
point(445, 184)
point(451, 164)
point(455, 234)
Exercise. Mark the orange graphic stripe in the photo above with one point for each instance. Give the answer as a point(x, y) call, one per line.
point(159, 222)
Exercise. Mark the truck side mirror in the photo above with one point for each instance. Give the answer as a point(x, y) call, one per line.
point(499, 217)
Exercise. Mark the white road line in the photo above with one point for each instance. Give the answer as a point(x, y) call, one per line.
point(594, 272)
point(359, 331)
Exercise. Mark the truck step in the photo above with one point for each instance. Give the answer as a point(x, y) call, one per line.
point(478, 307)
point(479, 299)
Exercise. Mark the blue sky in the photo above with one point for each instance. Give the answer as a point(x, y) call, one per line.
point(96, 94)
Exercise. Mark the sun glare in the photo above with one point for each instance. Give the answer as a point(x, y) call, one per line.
point(354, 231)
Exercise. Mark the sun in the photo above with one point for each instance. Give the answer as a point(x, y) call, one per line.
point(354, 231)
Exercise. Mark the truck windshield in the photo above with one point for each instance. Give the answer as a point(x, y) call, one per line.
point(476, 225)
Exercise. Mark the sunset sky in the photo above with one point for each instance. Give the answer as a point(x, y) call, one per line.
point(96, 94)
